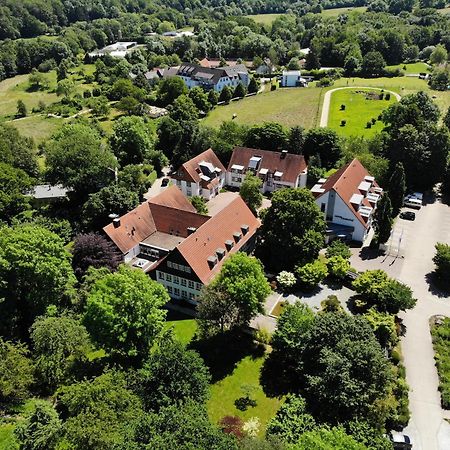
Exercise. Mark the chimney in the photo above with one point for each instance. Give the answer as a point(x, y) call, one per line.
point(283, 154)
point(116, 222)
point(191, 230)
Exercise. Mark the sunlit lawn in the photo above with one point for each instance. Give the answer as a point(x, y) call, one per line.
point(184, 327)
point(264, 19)
point(39, 126)
point(7, 441)
point(288, 106)
point(361, 106)
point(417, 67)
point(334, 12)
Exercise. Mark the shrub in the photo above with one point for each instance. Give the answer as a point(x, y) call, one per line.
point(286, 279)
point(331, 304)
point(369, 125)
point(342, 107)
point(232, 425)
point(374, 121)
point(343, 122)
point(388, 96)
point(338, 267)
point(311, 274)
point(262, 335)
point(338, 248)
point(381, 96)
point(442, 261)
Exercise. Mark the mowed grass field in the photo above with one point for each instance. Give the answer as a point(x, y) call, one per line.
point(411, 68)
point(264, 19)
point(361, 106)
point(334, 12)
point(288, 106)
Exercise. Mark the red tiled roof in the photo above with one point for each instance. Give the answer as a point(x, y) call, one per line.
point(189, 171)
point(202, 244)
point(345, 183)
point(170, 210)
point(291, 165)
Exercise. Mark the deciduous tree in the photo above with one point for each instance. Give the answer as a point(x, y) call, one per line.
point(397, 188)
point(382, 220)
point(250, 192)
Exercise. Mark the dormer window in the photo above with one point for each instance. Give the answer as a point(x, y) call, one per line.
point(212, 261)
point(245, 229)
point(237, 236)
point(229, 244)
point(220, 252)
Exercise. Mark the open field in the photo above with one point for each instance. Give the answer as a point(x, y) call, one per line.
point(264, 19)
point(38, 126)
point(288, 106)
point(361, 106)
point(411, 68)
point(334, 12)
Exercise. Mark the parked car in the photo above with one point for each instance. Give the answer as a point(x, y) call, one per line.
point(401, 441)
point(165, 182)
point(408, 215)
point(412, 202)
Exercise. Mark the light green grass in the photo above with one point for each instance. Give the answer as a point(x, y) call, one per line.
point(39, 127)
point(264, 19)
point(359, 109)
point(444, 10)
point(441, 342)
point(417, 67)
point(288, 106)
point(226, 391)
point(7, 440)
point(334, 12)
point(184, 330)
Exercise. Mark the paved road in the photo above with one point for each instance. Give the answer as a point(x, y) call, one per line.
point(156, 188)
point(327, 98)
point(410, 264)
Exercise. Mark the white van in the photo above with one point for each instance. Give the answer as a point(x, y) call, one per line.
point(412, 202)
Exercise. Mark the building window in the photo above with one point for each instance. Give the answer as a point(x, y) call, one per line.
point(178, 182)
point(168, 277)
point(169, 289)
point(184, 294)
point(198, 286)
point(176, 280)
point(183, 282)
point(188, 184)
point(191, 284)
point(322, 207)
point(160, 275)
point(176, 292)
point(188, 192)
point(191, 296)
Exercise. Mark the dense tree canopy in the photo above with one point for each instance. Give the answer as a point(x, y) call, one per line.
point(123, 313)
point(293, 229)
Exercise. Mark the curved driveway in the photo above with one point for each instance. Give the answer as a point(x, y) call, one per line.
point(327, 98)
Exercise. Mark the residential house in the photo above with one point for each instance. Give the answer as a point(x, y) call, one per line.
point(348, 199)
point(203, 175)
point(208, 78)
point(214, 63)
point(293, 78)
point(266, 68)
point(179, 248)
point(275, 169)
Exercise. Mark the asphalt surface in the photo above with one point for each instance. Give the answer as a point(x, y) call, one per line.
point(410, 260)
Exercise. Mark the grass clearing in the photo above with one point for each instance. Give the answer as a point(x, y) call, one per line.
point(184, 327)
point(39, 127)
point(7, 440)
point(225, 392)
point(335, 12)
point(361, 106)
point(264, 19)
point(288, 106)
point(441, 343)
point(411, 68)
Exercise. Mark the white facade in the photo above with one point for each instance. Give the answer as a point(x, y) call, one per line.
point(179, 287)
point(231, 82)
point(271, 181)
point(291, 78)
point(191, 189)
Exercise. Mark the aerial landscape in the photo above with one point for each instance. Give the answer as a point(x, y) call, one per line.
point(224, 225)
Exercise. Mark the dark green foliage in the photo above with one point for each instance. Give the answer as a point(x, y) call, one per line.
point(225, 95)
point(123, 313)
point(291, 420)
point(441, 342)
point(199, 203)
point(382, 220)
point(296, 140)
point(16, 374)
point(442, 261)
point(311, 274)
point(135, 178)
point(325, 144)
point(397, 188)
point(112, 199)
point(338, 248)
point(252, 86)
point(239, 91)
point(268, 136)
point(372, 438)
point(21, 109)
point(171, 375)
point(293, 230)
point(35, 272)
point(200, 99)
point(98, 412)
point(373, 64)
point(250, 192)
point(183, 427)
point(170, 89)
point(328, 439)
point(58, 342)
point(41, 429)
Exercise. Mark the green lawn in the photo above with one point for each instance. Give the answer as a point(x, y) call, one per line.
point(361, 106)
point(334, 12)
point(288, 106)
point(39, 127)
point(225, 392)
point(184, 327)
point(264, 19)
point(417, 67)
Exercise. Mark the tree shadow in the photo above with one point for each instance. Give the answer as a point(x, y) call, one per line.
point(355, 307)
point(223, 352)
point(369, 253)
point(436, 286)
